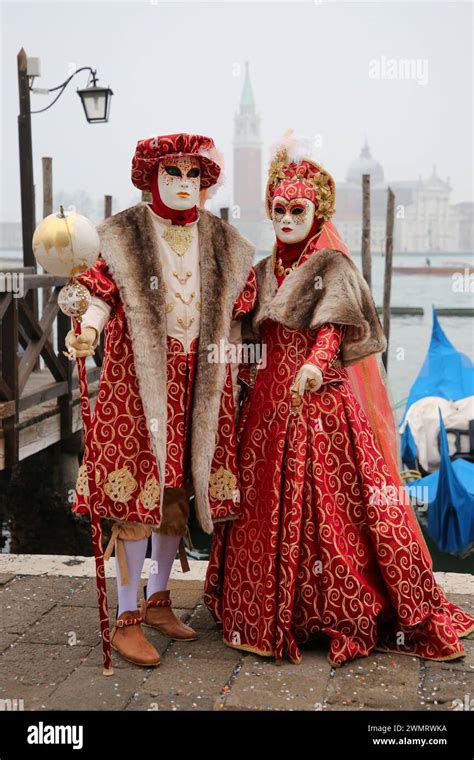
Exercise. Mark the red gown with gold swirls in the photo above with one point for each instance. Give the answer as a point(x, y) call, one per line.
point(315, 550)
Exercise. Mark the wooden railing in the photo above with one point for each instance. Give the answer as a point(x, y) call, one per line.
point(24, 338)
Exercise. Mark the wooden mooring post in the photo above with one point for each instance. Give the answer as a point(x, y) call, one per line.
point(365, 248)
point(387, 286)
point(107, 206)
point(47, 163)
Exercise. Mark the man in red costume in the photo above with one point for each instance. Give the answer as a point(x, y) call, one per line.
point(170, 286)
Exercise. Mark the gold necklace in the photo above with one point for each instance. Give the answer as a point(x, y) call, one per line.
point(278, 267)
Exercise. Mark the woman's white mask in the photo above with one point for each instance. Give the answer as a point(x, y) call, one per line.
point(179, 182)
point(292, 220)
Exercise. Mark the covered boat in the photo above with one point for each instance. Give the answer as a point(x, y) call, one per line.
point(446, 374)
point(449, 493)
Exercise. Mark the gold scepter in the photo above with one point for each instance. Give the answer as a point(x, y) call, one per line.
point(66, 245)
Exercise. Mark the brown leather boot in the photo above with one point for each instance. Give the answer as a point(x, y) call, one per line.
point(128, 639)
point(157, 613)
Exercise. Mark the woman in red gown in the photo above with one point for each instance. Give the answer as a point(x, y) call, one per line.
point(326, 543)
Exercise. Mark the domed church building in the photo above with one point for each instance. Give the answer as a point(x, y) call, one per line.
point(425, 222)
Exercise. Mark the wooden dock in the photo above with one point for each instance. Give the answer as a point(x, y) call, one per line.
point(39, 405)
point(418, 311)
point(439, 271)
point(39, 425)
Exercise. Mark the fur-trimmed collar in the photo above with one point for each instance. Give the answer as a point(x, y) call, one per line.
point(327, 287)
point(130, 249)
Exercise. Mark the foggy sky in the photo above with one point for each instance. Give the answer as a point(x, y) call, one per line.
point(172, 68)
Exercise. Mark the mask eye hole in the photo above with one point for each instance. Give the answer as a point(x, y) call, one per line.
point(297, 210)
point(173, 171)
point(279, 210)
point(194, 172)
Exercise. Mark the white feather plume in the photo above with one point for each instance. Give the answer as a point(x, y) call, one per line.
point(297, 146)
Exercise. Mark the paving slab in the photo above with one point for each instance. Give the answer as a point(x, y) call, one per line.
point(209, 646)
point(78, 626)
point(261, 684)
point(41, 615)
point(201, 619)
point(6, 578)
point(444, 689)
point(188, 676)
point(19, 616)
point(87, 689)
point(377, 682)
point(186, 594)
point(86, 596)
point(30, 696)
point(172, 703)
point(7, 639)
point(21, 662)
point(43, 588)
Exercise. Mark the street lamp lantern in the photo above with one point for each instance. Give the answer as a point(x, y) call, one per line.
point(95, 100)
point(96, 103)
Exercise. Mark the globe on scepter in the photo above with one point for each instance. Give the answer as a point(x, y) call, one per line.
point(66, 244)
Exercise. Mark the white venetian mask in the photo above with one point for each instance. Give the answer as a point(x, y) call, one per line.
point(179, 181)
point(292, 220)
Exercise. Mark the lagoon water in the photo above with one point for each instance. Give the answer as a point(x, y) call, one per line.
point(410, 335)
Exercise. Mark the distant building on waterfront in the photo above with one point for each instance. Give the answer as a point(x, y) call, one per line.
point(466, 226)
point(425, 221)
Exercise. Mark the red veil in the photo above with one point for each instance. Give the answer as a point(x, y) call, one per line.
point(369, 385)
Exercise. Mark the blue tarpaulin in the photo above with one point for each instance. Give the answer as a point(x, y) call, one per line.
point(451, 510)
point(446, 372)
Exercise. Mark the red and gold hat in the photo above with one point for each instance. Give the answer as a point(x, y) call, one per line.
point(151, 151)
point(300, 178)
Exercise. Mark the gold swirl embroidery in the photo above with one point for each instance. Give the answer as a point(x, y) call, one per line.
point(120, 485)
point(150, 494)
point(223, 485)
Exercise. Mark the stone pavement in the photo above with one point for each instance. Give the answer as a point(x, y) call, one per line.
point(51, 659)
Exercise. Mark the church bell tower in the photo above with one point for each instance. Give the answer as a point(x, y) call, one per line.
point(248, 194)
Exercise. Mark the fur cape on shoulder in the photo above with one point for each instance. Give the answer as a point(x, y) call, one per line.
point(327, 287)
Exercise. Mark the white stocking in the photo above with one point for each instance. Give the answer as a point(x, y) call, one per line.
point(163, 553)
point(135, 552)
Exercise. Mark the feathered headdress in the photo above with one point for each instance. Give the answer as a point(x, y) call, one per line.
point(290, 165)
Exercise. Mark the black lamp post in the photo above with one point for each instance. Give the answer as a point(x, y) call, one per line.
point(96, 104)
